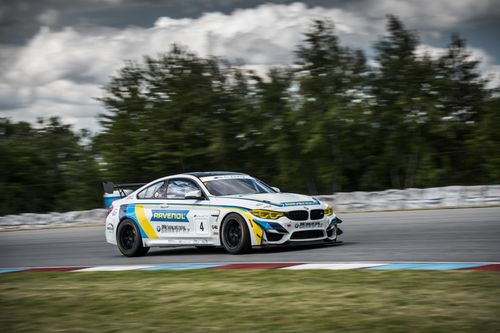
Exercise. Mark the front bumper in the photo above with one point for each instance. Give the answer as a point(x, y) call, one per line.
point(289, 231)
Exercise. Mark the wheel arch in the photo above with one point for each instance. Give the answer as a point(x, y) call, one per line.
point(120, 221)
point(125, 217)
point(253, 228)
point(136, 248)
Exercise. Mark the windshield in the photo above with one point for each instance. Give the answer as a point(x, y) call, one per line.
point(220, 187)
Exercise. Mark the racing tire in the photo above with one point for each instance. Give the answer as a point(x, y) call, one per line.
point(129, 240)
point(235, 236)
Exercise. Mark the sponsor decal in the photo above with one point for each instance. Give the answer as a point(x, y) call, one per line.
point(215, 230)
point(230, 177)
point(169, 216)
point(299, 203)
point(172, 228)
point(308, 225)
point(210, 178)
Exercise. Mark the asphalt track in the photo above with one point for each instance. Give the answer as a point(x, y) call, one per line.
point(449, 235)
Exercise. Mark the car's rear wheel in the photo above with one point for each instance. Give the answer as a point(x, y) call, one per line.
point(235, 235)
point(129, 239)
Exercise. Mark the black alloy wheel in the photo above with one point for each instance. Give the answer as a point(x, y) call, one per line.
point(129, 239)
point(235, 234)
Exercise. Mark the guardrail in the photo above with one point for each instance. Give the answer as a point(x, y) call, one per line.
point(412, 198)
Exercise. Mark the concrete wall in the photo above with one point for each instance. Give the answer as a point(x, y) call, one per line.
point(412, 198)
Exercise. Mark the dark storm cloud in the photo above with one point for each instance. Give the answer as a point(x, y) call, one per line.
point(55, 54)
point(20, 20)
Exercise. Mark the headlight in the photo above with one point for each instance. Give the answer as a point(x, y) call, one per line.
point(266, 214)
point(328, 210)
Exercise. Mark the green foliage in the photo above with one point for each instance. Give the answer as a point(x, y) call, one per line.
point(45, 168)
point(329, 123)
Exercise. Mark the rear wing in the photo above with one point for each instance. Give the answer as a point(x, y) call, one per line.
point(114, 192)
point(111, 188)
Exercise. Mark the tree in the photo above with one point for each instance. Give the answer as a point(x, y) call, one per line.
point(484, 145)
point(41, 166)
point(462, 97)
point(330, 79)
point(402, 90)
point(175, 113)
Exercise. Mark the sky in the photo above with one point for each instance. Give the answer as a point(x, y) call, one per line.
point(55, 55)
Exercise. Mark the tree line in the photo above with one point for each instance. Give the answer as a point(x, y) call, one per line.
point(330, 122)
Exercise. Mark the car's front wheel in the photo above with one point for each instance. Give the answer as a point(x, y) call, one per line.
point(129, 239)
point(235, 235)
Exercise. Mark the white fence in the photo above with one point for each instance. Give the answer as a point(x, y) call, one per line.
point(412, 198)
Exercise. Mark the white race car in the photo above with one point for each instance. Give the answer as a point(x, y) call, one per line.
point(228, 209)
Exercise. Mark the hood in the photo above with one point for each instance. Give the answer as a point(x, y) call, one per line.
point(270, 200)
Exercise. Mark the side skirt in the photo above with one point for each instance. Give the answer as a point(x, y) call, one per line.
point(179, 241)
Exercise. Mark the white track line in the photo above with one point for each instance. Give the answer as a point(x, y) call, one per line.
point(333, 266)
point(113, 268)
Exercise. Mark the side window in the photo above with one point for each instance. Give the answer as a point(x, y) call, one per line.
point(155, 191)
point(177, 188)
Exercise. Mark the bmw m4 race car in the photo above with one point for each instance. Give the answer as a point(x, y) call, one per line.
point(232, 210)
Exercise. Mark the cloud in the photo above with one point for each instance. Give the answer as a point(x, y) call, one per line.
point(425, 14)
point(48, 17)
point(60, 71)
point(263, 35)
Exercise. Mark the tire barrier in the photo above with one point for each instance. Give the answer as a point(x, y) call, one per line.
point(52, 220)
point(415, 198)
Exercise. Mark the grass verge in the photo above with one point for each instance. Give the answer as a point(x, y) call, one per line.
point(251, 301)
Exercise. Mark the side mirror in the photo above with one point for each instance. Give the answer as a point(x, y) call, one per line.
point(196, 195)
point(276, 189)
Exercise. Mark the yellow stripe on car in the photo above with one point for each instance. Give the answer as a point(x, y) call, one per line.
point(144, 223)
point(257, 231)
